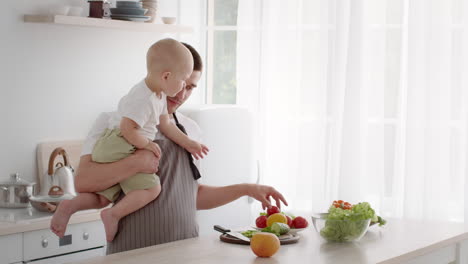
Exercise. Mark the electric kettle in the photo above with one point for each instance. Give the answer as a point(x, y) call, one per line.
point(59, 180)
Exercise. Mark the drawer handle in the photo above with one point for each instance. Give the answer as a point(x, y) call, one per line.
point(85, 235)
point(45, 243)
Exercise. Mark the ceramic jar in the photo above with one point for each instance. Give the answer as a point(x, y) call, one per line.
point(152, 6)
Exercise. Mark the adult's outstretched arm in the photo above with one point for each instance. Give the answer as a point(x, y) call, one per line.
point(214, 196)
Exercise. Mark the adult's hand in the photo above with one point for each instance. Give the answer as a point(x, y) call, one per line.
point(145, 161)
point(264, 193)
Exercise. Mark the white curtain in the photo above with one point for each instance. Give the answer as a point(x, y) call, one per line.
point(359, 100)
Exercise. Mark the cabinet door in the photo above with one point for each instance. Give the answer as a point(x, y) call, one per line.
point(11, 248)
point(441, 256)
point(462, 252)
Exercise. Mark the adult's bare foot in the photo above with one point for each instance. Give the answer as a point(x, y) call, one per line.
point(111, 224)
point(59, 221)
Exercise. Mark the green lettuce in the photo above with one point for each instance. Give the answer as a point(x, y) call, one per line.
point(347, 225)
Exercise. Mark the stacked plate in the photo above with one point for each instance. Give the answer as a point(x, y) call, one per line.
point(129, 10)
point(152, 6)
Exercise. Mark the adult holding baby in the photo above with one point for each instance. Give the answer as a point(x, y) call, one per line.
point(134, 126)
point(172, 216)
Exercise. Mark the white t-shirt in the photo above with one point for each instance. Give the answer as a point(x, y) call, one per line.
point(101, 123)
point(142, 106)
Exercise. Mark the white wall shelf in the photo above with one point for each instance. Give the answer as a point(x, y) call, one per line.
point(107, 23)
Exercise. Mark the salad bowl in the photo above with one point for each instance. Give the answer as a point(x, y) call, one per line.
point(346, 222)
point(340, 230)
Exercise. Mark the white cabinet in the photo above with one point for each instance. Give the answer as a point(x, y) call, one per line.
point(443, 256)
point(11, 248)
point(462, 252)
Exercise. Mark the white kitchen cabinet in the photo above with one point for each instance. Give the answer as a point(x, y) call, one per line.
point(444, 256)
point(11, 247)
point(462, 252)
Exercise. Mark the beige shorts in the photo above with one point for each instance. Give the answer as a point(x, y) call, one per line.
point(112, 147)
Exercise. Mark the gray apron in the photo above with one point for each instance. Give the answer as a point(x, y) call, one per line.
point(172, 215)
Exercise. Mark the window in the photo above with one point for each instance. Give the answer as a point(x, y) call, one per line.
point(221, 32)
point(384, 95)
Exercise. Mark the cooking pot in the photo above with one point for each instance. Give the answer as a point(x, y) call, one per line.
point(15, 192)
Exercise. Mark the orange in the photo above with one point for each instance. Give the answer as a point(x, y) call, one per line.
point(278, 217)
point(264, 244)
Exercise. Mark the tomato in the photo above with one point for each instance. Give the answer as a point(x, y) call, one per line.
point(343, 205)
point(273, 210)
point(299, 222)
point(289, 221)
point(261, 221)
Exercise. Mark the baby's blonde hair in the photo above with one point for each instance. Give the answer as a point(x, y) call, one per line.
point(169, 55)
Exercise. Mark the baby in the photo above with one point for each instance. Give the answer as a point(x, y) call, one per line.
point(133, 126)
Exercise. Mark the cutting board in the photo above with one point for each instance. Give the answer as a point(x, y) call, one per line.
point(284, 240)
point(44, 149)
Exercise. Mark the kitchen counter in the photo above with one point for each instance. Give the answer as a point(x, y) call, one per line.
point(28, 219)
point(400, 241)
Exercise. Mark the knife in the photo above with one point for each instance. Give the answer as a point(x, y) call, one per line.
point(229, 232)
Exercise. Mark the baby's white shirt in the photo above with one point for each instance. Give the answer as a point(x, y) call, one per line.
point(142, 106)
point(193, 130)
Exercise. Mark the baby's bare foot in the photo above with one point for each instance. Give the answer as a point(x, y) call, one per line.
point(111, 224)
point(59, 221)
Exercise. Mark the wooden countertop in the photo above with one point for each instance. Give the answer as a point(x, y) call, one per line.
point(7, 228)
point(398, 241)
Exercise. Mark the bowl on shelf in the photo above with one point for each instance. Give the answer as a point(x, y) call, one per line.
point(334, 230)
point(128, 11)
point(131, 18)
point(169, 20)
point(128, 4)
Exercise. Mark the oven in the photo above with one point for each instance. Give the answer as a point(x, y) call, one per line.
point(81, 241)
